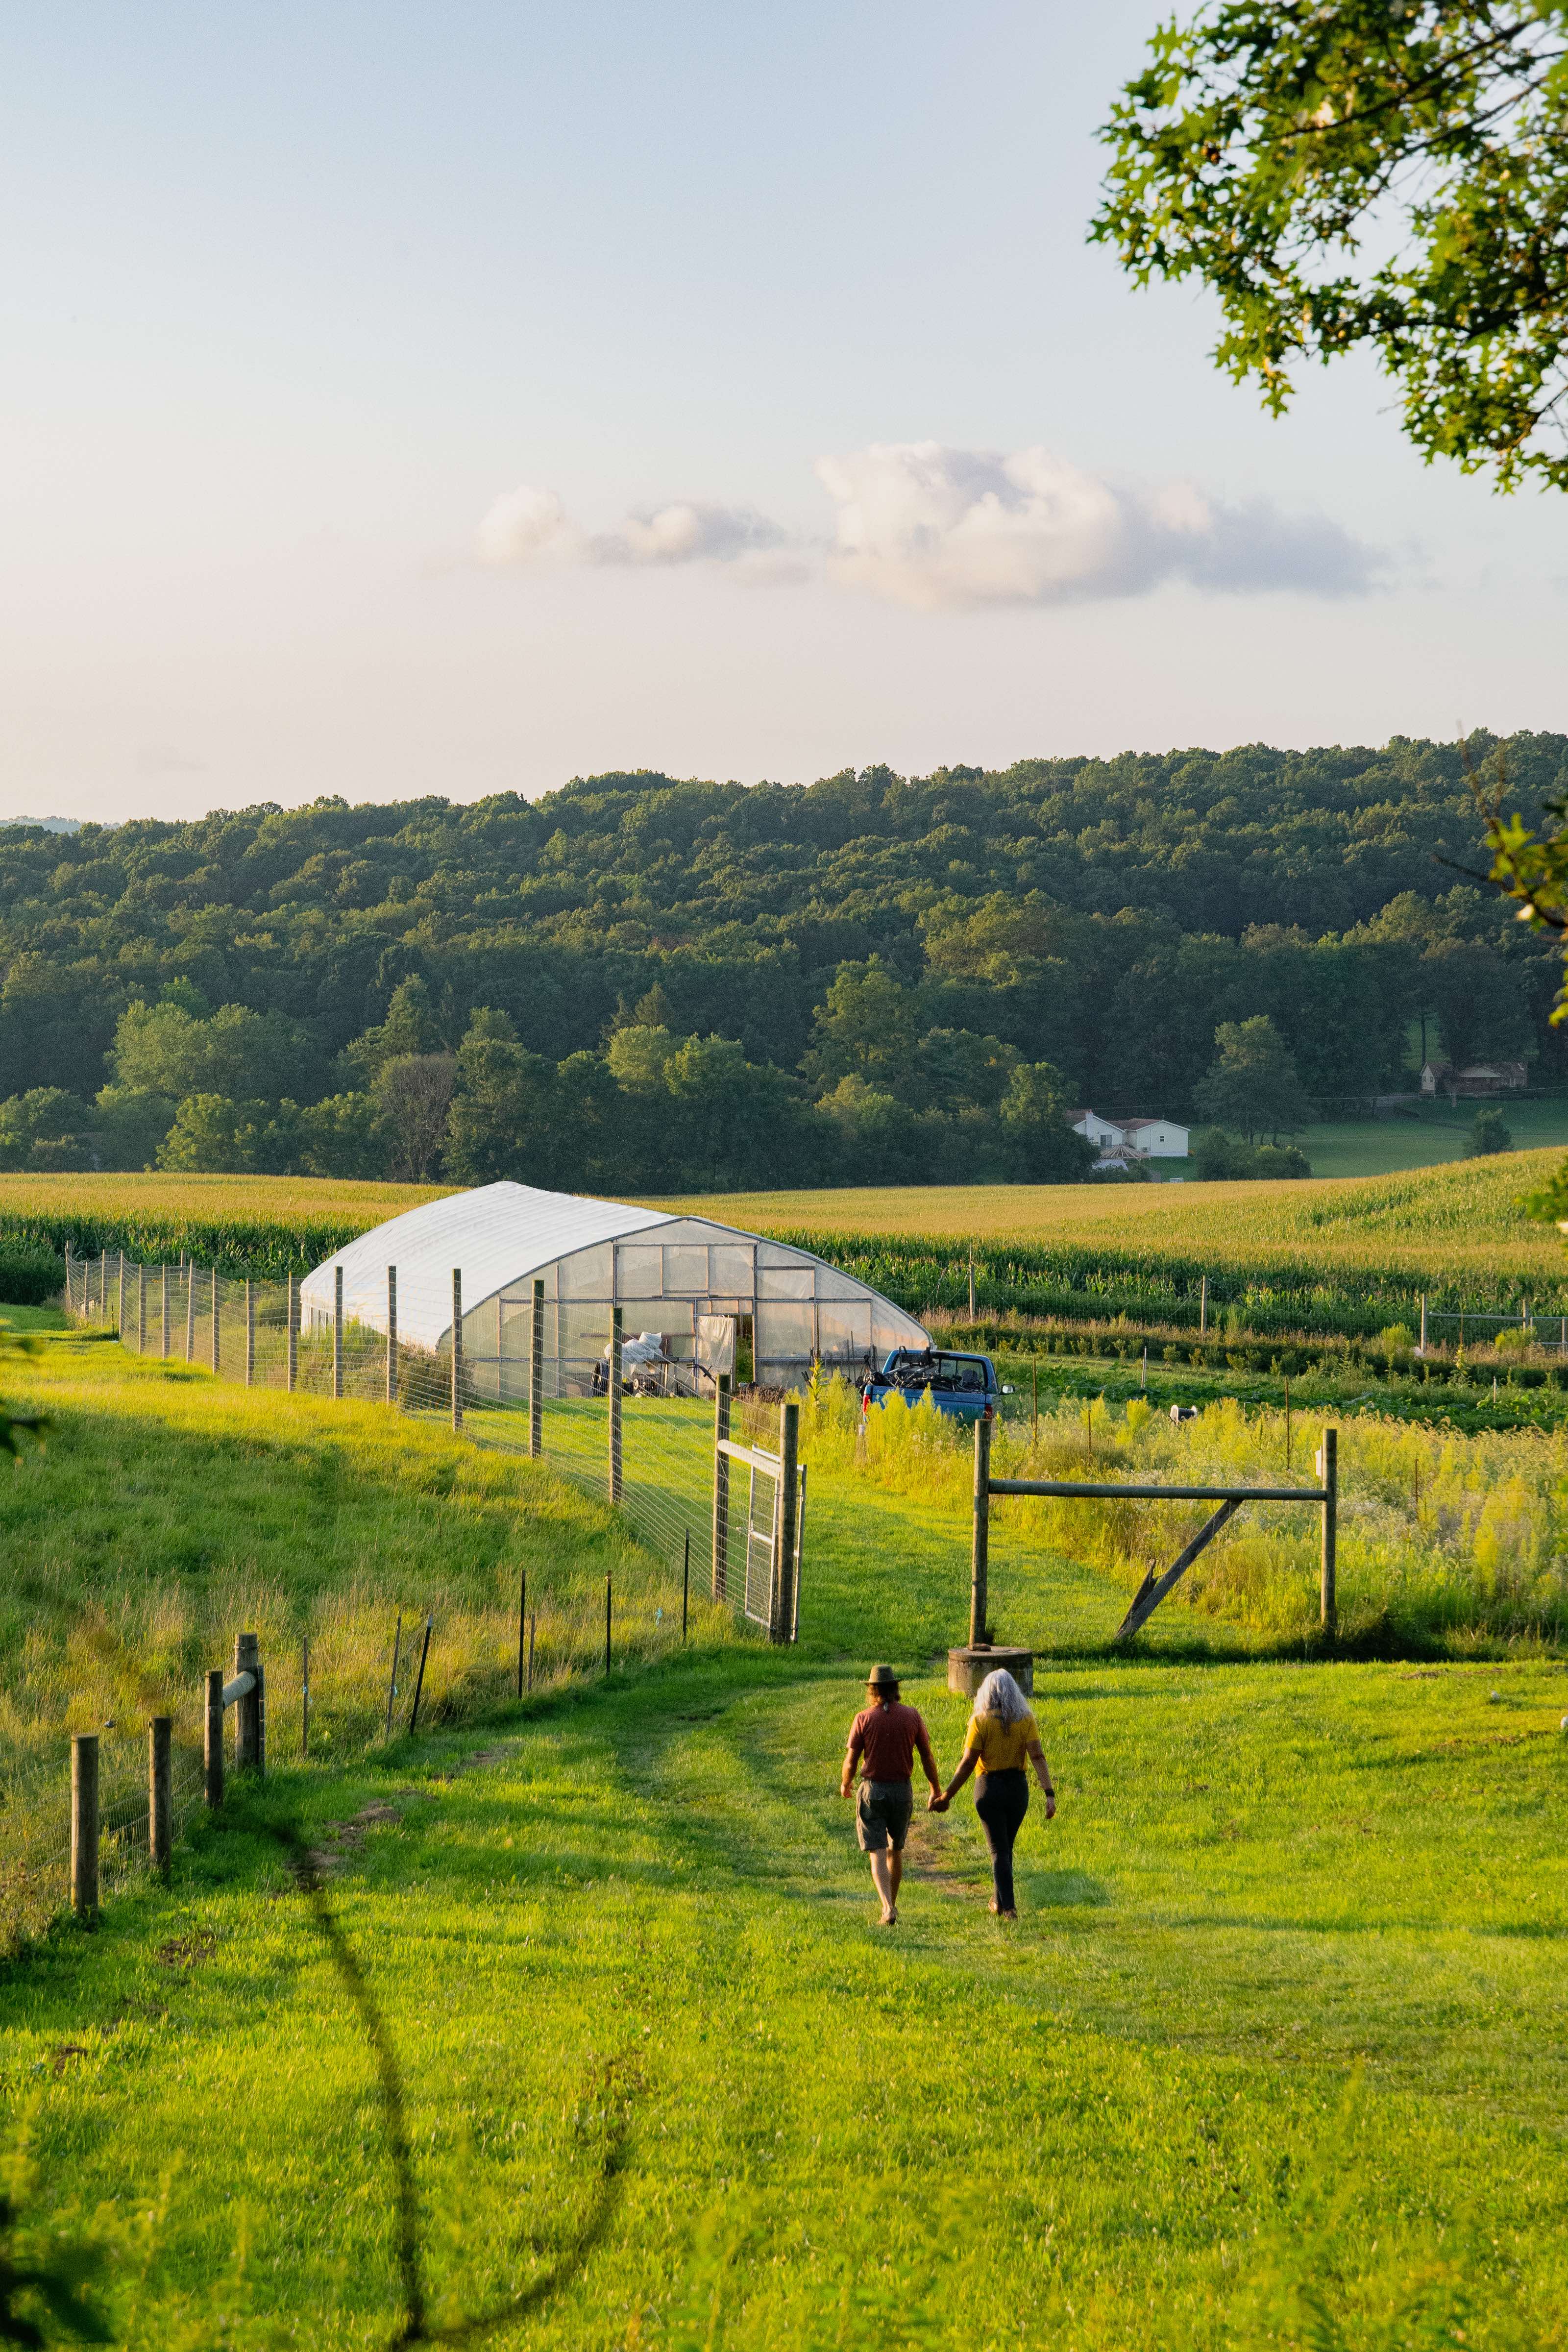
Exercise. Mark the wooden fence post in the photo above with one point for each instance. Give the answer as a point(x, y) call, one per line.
point(391, 1335)
point(1423, 1322)
point(614, 1393)
point(70, 1296)
point(103, 1287)
point(163, 1310)
point(212, 1738)
point(608, 1590)
point(249, 1332)
point(720, 1488)
point(457, 1347)
point(782, 1615)
point(190, 1310)
point(84, 1827)
point(1204, 1304)
point(291, 1368)
point(1328, 1465)
point(160, 1792)
point(120, 1319)
point(980, 1552)
point(249, 1711)
point(971, 1288)
point(536, 1376)
point(521, 1628)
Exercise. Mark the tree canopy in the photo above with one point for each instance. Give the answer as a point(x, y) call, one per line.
point(1381, 175)
point(641, 981)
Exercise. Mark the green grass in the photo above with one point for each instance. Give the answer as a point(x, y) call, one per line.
point(1439, 1132)
point(1283, 2021)
point(1275, 2055)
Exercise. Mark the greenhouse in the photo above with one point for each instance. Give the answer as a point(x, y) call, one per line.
point(697, 1298)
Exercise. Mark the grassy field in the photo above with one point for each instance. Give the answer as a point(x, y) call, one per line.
point(1437, 1132)
point(576, 2030)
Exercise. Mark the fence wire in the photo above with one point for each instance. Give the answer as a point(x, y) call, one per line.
point(653, 1458)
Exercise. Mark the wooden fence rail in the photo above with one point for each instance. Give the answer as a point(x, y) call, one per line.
point(246, 1692)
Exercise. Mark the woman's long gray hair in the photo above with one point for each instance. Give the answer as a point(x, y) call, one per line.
point(999, 1696)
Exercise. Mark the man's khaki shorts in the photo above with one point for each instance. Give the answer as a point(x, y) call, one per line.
point(882, 1815)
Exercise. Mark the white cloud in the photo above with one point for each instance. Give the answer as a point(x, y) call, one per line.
point(939, 528)
point(936, 528)
point(530, 526)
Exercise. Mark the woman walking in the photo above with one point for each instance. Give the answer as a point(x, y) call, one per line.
point(1002, 1733)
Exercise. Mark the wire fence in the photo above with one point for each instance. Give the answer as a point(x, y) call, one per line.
point(708, 1537)
point(648, 1450)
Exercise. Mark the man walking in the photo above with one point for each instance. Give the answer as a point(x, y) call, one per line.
point(883, 1739)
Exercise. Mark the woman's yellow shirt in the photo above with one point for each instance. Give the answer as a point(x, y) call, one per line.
point(1001, 1747)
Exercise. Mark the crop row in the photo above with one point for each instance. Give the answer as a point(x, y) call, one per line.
point(1096, 1283)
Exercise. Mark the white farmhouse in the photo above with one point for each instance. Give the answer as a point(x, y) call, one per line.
point(1157, 1139)
point(1119, 1141)
point(1103, 1132)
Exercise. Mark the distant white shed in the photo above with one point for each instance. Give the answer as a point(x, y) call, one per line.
point(703, 1286)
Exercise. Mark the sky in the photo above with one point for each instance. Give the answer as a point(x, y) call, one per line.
point(400, 399)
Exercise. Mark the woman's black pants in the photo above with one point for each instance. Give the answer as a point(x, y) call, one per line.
point(1001, 1800)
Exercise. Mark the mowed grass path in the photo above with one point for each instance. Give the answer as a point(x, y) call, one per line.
point(1278, 2052)
point(1286, 2013)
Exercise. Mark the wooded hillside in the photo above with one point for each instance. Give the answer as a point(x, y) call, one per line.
point(642, 981)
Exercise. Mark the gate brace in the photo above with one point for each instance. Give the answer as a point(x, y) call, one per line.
point(1154, 1589)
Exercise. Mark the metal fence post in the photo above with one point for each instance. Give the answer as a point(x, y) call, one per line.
point(782, 1615)
point(720, 1488)
point(980, 1556)
point(337, 1331)
point(391, 1335)
point(120, 1319)
point(103, 1286)
point(141, 1310)
point(536, 1375)
point(190, 1310)
point(457, 1347)
point(218, 1328)
point(249, 1332)
point(163, 1310)
point(160, 1791)
point(212, 1738)
point(1330, 1466)
point(614, 1394)
point(292, 1364)
point(84, 1827)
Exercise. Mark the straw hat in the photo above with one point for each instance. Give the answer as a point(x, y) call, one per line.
point(881, 1678)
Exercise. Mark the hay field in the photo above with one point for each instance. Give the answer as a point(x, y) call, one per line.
point(303, 1201)
point(1464, 1217)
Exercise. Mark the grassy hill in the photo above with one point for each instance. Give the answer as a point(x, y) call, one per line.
point(568, 2025)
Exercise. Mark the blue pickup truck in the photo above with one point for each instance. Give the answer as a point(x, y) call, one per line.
point(965, 1386)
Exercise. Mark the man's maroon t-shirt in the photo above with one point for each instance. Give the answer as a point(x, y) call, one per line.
point(887, 1737)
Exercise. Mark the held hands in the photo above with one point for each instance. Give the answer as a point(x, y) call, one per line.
point(936, 1804)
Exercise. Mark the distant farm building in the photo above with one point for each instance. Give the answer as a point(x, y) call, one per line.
point(1476, 1082)
point(704, 1290)
point(1123, 1143)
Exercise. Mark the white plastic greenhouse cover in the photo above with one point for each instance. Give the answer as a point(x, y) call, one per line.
point(499, 1236)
